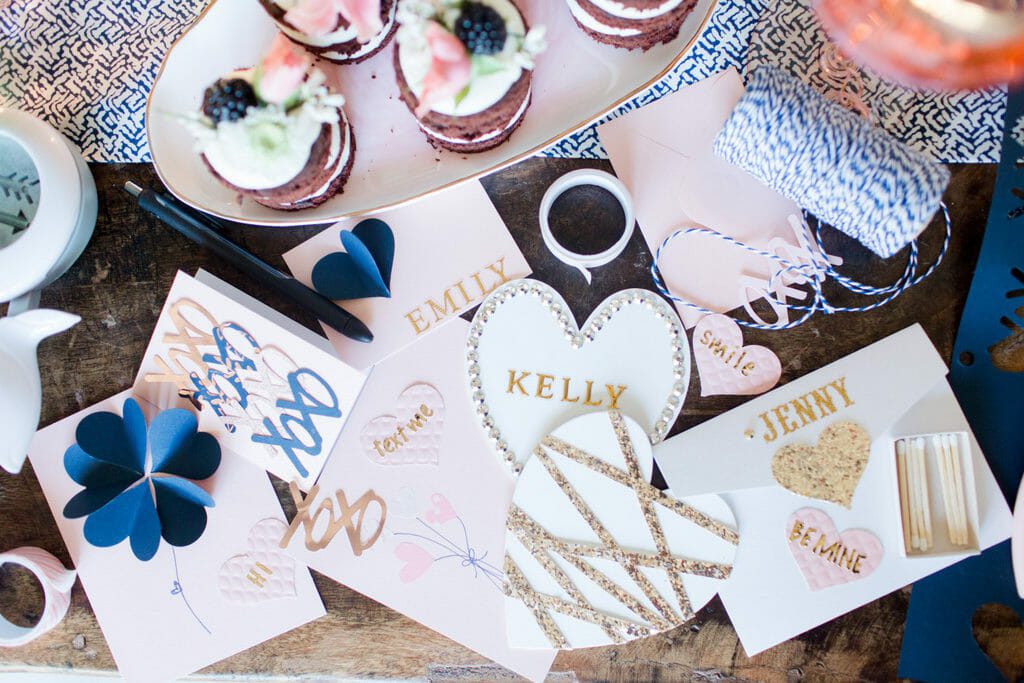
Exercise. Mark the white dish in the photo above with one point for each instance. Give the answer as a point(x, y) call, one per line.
point(576, 81)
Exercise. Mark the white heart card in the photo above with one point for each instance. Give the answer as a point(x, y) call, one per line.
point(530, 368)
point(594, 554)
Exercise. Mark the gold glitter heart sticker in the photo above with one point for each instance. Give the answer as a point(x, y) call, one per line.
point(831, 469)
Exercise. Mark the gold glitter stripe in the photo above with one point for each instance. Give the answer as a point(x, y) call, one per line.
point(518, 587)
point(522, 526)
point(652, 593)
point(643, 494)
point(563, 580)
point(537, 541)
point(617, 628)
point(723, 531)
point(541, 544)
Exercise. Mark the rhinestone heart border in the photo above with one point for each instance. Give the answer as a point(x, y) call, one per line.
point(577, 338)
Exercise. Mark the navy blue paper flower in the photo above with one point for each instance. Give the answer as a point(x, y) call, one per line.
point(137, 485)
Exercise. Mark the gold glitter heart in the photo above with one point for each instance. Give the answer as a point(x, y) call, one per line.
point(829, 470)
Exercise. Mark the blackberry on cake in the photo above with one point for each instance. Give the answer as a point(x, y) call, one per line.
point(274, 133)
point(465, 69)
point(341, 31)
point(631, 24)
point(481, 29)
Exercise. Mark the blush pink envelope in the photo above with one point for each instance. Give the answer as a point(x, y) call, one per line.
point(449, 249)
point(153, 633)
point(439, 558)
point(664, 154)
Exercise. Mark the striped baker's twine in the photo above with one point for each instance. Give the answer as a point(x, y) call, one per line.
point(815, 274)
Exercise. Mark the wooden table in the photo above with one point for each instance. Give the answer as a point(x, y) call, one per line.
point(119, 286)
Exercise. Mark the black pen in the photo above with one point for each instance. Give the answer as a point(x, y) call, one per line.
point(206, 233)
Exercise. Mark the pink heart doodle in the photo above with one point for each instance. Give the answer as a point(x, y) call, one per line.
point(442, 510)
point(728, 367)
point(827, 557)
point(417, 561)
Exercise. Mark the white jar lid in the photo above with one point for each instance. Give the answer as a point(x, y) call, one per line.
point(26, 263)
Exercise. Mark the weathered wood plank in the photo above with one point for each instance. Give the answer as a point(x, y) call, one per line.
point(119, 286)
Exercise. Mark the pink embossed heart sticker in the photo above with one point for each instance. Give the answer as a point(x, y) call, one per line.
point(264, 572)
point(825, 556)
point(412, 435)
point(726, 366)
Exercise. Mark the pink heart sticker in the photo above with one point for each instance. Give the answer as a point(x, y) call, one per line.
point(441, 512)
point(417, 561)
point(264, 572)
point(726, 366)
point(412, 436)
point(827, 557)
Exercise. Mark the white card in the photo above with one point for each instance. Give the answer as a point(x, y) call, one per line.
point(267, 394)
point(872, 387)
point(768, 599)
point(187, 607)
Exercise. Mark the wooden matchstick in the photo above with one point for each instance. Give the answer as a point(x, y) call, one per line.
point(926, 513)
point(915, 520)
point(958, 485)
point(942, 459)
point(901, 475)
point(946, 475)
point(958, 513)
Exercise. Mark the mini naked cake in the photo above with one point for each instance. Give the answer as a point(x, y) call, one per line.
point(274, 133)
point(631, 24)
point(341, 31)
point(465, 68)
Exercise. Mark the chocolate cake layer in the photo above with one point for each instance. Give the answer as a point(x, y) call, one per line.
point(652, 31)
point(475, 147)
point(314, 175)
point(346, 48)
point(467, 129)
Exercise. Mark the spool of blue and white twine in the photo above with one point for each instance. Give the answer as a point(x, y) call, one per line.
point(831, 162)
point(814, 273)
point(838, 167)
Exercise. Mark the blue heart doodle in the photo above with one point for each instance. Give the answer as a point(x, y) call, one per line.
point(363, 270)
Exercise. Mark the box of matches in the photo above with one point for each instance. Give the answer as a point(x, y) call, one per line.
point(937, 501)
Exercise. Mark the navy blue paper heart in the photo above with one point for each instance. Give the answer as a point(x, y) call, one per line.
point(123, 498)
point(363, 270)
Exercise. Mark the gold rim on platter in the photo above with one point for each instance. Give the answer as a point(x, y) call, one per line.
point(288, 221)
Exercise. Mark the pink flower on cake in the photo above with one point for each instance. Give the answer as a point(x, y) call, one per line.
point(282, 72)
point(320, 17)
point(449, 71)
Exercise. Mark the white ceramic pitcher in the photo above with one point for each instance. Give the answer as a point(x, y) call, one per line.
point(20, 390)
point(54, 238)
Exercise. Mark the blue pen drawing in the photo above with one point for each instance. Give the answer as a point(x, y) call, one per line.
point(177, 589)
point(433, 546)
point(257, 389)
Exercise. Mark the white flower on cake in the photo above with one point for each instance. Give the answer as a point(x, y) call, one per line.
point(259, 128)
point(434, 74)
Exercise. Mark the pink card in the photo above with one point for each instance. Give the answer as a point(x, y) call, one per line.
point(664, 154)
point(410, 509)
point(451, 250)
point(268, 394)
point(187, 607)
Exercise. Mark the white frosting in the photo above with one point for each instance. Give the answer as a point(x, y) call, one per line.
point(336, 146)
point(624, 12)
point(588, 21)
point(487, 136)
point(269, 146)
point(238, 157)
point(342, 35)
point(485, 90)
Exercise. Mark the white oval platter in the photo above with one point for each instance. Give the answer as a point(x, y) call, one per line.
point(575, 82)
